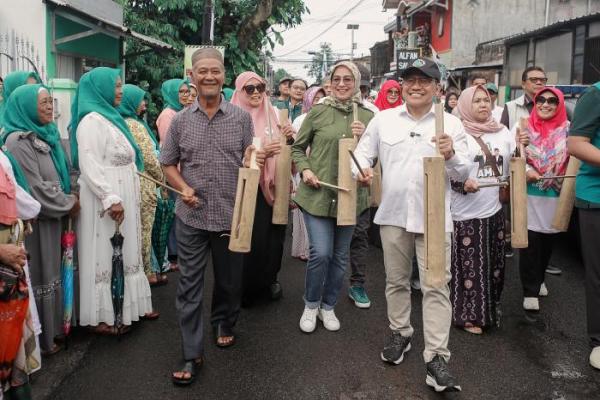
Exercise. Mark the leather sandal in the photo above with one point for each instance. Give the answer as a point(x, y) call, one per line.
point(224, 332)
point(191, 367)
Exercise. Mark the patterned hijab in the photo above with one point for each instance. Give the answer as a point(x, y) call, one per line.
point(547, 150)
point(260, 118)
point(382, 102)
point(309, 97)
point(170, 93)
point(22, 116)
point(465, 110)
point(345, 105)
point(132, 98)
point(96, 93)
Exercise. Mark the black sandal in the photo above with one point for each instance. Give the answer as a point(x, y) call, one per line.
point(191, 367)
point(223, 331)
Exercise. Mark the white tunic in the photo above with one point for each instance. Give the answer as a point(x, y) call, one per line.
point(108, 176)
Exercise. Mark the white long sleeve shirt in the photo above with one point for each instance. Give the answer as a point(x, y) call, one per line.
point(27, 206)
point(400, 142)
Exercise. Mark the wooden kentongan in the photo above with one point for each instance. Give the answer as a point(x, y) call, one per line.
point(283, 176)
point(245, 205)
point(518, 195)
point(434, 213)
point(566, 200)
point(346, 207)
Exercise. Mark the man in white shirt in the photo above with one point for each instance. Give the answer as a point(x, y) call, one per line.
point(400, 138)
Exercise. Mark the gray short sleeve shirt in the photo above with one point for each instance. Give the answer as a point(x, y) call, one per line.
point(209, 153)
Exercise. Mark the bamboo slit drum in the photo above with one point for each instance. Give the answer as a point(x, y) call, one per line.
point(434, 199)
point(245, 205)
point(346, 205)
point(518, 196)
point(566, 199)
point(283, 177)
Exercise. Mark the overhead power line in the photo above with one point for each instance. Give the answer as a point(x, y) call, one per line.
point(358, 3)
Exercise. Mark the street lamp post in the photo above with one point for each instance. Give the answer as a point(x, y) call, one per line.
point(352, 28)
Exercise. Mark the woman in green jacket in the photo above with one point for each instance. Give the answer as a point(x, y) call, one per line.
point(322, 129)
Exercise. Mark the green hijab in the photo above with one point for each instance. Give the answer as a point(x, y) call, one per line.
point(96, 92)
point(132, 98)
point(22, 116)
point(11, 82)
point(227, 93)
point(170, 93)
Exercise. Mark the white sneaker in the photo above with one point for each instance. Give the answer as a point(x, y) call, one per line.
point(595, 357)
point(531, 304)
point(543, 290)
point(330, 321)
point(308, 321)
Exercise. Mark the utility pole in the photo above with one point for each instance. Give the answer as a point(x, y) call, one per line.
point(352, 28)
point(208, 20)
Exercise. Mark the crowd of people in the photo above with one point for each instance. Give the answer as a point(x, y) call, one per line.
point(99, 185)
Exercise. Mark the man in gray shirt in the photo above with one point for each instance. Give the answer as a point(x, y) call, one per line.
point(210, 141)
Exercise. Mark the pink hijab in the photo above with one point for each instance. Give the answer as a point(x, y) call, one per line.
point(261, 126)
point(465, 111)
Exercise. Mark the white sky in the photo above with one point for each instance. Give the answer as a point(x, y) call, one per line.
point(368, 14)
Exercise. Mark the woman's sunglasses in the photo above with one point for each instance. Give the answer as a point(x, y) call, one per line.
point(393, 93)
point(249, 89)
point(552, 101)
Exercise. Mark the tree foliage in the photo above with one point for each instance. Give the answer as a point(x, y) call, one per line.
point(322, 60)
point(279, 75)
point(244, 27)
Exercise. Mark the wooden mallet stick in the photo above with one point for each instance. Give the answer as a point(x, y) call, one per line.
point(492, 184)
point(159, 183)
point(357, 164)
point(566, 199)
point(558, 177)
point(434, 207)
point(329, 185)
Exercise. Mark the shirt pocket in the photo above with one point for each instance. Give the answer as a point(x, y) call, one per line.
point(392, 145)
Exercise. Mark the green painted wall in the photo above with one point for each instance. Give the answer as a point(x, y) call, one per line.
point(98, 46)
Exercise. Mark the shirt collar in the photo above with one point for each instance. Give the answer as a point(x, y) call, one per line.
point(223, 107)
point(403, 112)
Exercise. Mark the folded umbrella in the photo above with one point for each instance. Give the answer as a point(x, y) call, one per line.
point(117, 284)
point(66, 271)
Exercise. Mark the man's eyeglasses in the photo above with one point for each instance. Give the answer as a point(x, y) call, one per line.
point(260, 88)
point(421, 81)
point(347, 80)
point(552, 101)
point(538, 80)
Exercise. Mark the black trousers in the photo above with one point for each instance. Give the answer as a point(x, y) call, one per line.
point(533, 261)
point(359, 249)
point(589, 226)
point(193, 247)
point(263, 263)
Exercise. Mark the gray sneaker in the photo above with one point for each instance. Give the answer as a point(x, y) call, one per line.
point(439, 377)
point(395, 347)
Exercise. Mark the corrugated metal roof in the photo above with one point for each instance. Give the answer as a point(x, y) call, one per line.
point(121, 30)
point(552, 27)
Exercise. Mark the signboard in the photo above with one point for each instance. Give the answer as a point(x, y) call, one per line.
point(405, 57)
point(187, 58)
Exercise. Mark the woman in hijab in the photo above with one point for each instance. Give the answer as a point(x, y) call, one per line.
point(546, 156)
point(13, 81)
point(33, 139)
point(132, 107)
point(478, 242)
point(324, 126)
point(105, 152)
point(450, 102)
point(193, 94)
point(299, 234)
point(263, 263)
point(390, 95)
point(175, 93)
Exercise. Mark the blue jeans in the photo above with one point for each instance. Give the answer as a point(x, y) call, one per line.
point(328, 256)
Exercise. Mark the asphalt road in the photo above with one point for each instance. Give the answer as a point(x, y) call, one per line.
point(543, 357)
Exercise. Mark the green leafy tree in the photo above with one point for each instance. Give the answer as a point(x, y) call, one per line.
point(322, 60)
point(244, 27)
